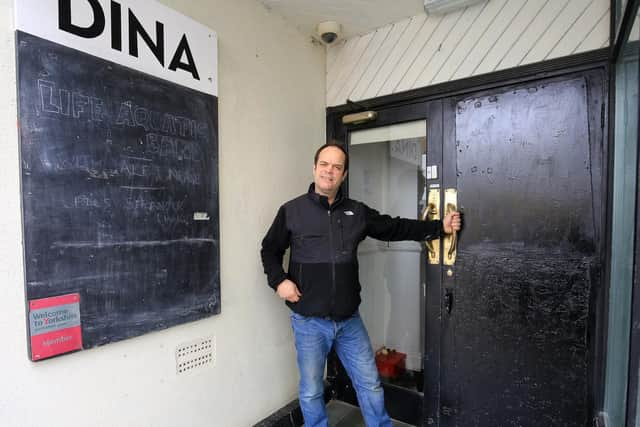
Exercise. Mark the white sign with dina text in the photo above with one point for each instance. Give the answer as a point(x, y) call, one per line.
point(140, 34)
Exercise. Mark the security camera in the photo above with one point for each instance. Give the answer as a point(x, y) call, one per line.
point(329, 31)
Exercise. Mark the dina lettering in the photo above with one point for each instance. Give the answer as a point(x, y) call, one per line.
point(182, 58)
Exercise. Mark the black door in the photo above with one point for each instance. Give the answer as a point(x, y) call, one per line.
point(506, 312)
point(526, 162)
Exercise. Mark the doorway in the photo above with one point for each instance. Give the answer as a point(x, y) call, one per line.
point(495, 326)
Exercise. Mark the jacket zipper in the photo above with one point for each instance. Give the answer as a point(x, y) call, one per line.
point(333, 265)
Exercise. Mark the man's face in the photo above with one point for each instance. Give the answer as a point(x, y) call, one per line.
point(328, 172)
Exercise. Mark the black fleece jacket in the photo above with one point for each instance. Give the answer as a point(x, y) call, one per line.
point(324, 242)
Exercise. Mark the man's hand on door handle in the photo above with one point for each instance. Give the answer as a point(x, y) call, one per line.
point(451, 222)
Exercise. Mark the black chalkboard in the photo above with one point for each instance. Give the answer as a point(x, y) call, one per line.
point(119, 191)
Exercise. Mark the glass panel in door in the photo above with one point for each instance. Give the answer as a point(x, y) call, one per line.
point(387, 172)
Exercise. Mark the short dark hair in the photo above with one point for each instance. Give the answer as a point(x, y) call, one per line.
point(336, 145)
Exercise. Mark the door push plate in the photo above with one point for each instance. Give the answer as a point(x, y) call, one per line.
point(432, 212)
point(450, 240)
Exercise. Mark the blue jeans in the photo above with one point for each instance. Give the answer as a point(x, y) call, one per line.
point(314, 337)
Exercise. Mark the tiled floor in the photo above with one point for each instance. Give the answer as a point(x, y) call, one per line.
point(344, 415)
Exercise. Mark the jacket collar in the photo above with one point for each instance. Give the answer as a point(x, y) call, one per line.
point(324, 200)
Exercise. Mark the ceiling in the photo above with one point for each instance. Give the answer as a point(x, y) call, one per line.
point(355, 16)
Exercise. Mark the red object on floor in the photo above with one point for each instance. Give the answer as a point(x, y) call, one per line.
point(390, 363)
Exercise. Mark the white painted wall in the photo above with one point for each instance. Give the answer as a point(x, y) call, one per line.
point(490, 36)
point(272, 116)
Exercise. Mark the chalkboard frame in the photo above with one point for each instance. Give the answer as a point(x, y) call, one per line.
point(119, 181)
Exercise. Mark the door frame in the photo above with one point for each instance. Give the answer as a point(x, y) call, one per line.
point(435, 97)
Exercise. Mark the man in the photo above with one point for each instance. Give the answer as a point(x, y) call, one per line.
point(323, 229)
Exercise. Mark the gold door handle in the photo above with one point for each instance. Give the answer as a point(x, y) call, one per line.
point(427, 213)
point(450, 240)
point(430, 213)
point(454, 235)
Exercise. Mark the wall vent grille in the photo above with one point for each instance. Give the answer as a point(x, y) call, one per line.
point(196, 354)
